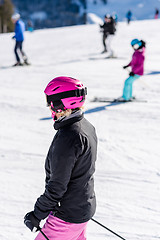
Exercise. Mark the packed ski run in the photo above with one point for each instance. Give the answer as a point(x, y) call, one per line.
point(127, 169)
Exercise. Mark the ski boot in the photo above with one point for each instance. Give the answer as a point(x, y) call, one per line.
point(26, 62)
point(17, 64)
point(104, 51)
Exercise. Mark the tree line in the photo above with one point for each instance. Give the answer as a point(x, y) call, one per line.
point(6, 11)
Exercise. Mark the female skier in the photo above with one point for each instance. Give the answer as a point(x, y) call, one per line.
point(68, 201)
point(137, 67)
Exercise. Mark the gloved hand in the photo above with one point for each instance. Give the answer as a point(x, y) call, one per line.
point(131, 74)
point(125, 66)
point(32, 222)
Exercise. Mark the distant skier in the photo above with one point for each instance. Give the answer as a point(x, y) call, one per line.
point(115, 17)
point(68, 201)
point(30, 26)
point(156, 13)
point(129, 16)
point(19, 37)
point(137, 67)
point(109, 30)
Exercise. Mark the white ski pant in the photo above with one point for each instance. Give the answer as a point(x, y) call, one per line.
point(108, 43)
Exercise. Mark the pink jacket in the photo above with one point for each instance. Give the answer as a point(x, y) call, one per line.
point(137, 62)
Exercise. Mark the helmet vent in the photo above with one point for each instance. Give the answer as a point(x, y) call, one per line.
point(73, 103)
point(55, 89)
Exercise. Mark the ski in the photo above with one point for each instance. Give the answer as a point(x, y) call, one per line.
point(27, 64)
point(12, 66)
point(116, 100)
point(111, 57)
point(102, 57)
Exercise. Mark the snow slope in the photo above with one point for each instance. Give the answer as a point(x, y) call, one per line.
point(127, 178)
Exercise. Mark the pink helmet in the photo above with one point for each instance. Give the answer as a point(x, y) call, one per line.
point(65, 93)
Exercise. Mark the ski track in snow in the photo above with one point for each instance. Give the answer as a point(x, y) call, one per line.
point(127, 170)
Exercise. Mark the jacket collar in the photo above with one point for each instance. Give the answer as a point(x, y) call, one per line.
point(65, 121)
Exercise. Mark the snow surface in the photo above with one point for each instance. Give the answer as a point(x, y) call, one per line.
point(127, 178)
point(93, 18)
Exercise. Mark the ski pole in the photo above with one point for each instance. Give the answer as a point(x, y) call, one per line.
point(107, 228)
point(43, 234)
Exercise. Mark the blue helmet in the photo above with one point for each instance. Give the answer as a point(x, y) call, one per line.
point(136, 42)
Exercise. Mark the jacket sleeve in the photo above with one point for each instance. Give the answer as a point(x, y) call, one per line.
point(62, 160)
point(101, 25)
point(133, 61)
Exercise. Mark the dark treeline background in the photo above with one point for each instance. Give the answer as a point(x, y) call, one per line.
point(52, 13)
point(44, 13)
point(6, 11)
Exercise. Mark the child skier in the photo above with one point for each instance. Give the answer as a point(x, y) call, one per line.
point(68, 201)
point(19, 37)
point(137, 67)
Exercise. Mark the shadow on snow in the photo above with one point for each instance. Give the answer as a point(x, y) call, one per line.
point(46, 118)
point(153, 73)
point(102, 108)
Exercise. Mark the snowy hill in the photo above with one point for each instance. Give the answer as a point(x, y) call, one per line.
point(127, 171)
point(144, 9)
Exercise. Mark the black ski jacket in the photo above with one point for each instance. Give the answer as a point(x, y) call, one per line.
point(70, 164)
point(108, 28)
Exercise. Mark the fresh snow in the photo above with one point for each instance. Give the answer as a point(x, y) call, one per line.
point(127, 178)
point(93, 18)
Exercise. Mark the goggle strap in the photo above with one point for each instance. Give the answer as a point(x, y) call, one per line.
point(72, 93)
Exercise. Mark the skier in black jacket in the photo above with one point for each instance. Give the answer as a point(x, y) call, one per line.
point(108, 29)
point(69, 198)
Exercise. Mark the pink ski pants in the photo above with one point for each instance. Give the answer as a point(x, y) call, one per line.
point(57, 229)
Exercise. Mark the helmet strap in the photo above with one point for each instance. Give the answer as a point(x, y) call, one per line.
point(73, 93)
